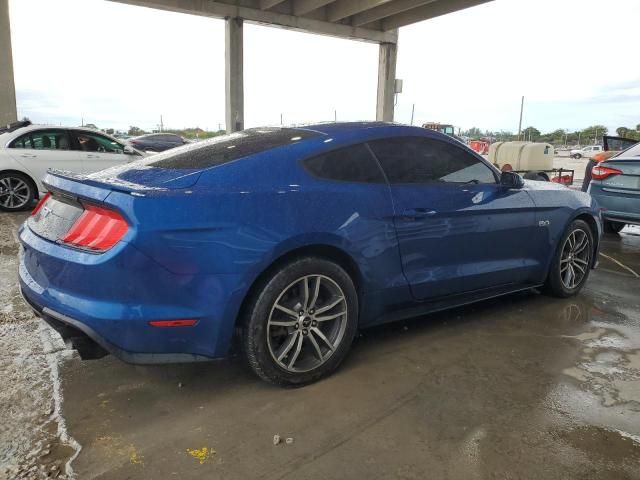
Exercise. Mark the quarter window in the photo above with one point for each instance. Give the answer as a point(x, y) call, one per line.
point(43, 140)
point(424, 160)
point(349, 164)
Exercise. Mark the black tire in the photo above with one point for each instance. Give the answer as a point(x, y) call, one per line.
point(613, 227)
point(257, 340)
point(555, 283)
point(23, 198)
point(577, 156)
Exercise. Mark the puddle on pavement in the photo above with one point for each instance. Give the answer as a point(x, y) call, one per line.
point(599, 400)
point(610, 445)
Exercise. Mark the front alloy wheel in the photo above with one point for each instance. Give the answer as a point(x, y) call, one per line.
point(300, 321)
point(576, 255)
point(572, 261)
point(16, 193)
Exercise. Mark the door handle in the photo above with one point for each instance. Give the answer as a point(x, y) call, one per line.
point(28, 155)
point(416, 213)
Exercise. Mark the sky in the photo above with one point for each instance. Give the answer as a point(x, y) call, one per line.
point(116, 65)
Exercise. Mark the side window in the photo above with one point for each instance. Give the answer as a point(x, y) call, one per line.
point(43, 140)
point(92, 142)
point(22, 142)
point(349, 164)
point(424, 160)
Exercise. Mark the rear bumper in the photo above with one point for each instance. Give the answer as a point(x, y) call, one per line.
point(617, 207)
point(109, 300)
point(90, 344)
point(621, 217)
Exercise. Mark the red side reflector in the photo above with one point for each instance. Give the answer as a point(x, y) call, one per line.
point(173, 323)
point(42, 201)
point(97, 229)
point(600, 172)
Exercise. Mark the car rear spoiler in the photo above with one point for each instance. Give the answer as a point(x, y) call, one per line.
point(81, 185)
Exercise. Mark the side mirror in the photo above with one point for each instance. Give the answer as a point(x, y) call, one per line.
point(511, 180)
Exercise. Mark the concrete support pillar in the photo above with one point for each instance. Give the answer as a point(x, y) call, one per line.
point(8, 111)
point(234, 76)
point(386, 80)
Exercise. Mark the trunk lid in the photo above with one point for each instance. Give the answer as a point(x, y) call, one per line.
point(75, 212)
point(626, 182)
point(141, 176)
point(55, 217)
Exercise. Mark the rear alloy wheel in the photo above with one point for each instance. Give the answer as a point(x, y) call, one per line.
point(301, 325)
point(572, 262)
point(16, 192)
point(613, 227)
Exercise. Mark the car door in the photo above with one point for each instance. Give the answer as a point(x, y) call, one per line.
point(99, 151)
point(41, 149)
point(458, 229)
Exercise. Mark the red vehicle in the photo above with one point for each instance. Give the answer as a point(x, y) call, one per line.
point(479, 146)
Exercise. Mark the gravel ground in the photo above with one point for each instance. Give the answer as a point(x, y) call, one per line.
point(34, 443)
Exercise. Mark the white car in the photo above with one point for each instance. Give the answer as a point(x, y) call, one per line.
point(27, 151)
point(586, 151)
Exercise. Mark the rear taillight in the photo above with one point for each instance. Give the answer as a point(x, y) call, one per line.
point(42, 201)
point(600, 172)
point(96, 229)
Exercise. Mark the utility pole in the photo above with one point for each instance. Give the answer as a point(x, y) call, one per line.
point(413, 109)
point(520, 124)
point(161, 124)
point(335, 116)
point(280, 119)
point(579, 133)
point(595, 137)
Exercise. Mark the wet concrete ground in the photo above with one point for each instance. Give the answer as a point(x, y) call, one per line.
point(525, 386)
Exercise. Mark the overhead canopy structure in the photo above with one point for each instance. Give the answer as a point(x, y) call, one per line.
point(366, 20)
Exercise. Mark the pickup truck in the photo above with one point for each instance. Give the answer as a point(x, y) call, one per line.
point(586, 151)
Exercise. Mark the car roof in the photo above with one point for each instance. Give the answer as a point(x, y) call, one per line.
point(332, 128)
point(367, 130)
point(147, 135)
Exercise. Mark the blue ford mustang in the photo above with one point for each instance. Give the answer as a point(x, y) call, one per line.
point(292, 239)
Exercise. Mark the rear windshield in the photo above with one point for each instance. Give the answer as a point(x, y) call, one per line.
point(226, 148)
point(630, 152)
